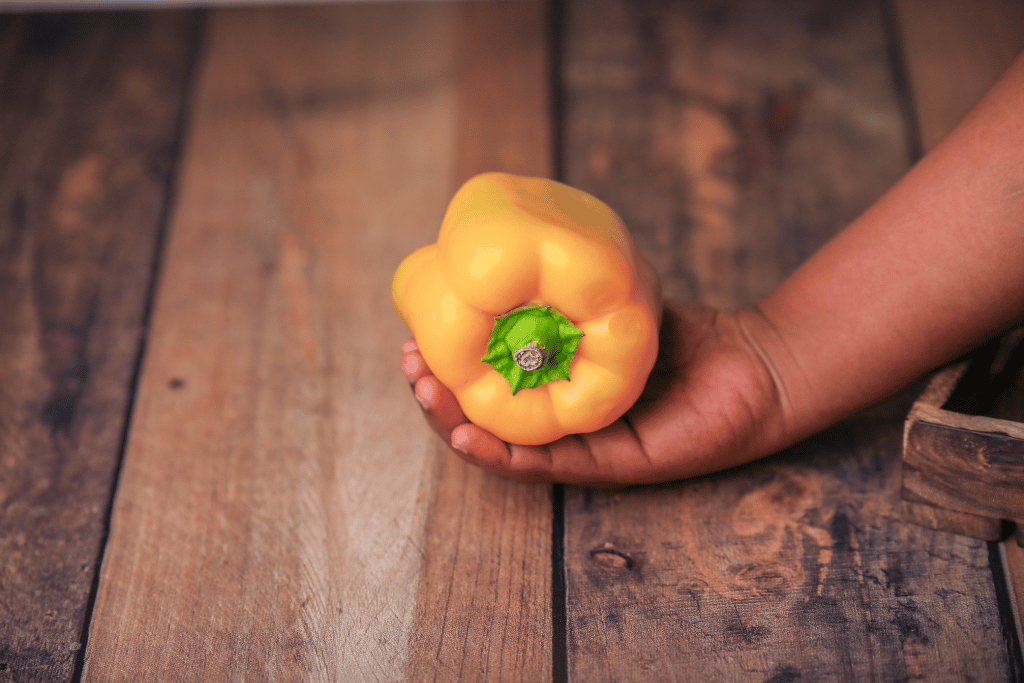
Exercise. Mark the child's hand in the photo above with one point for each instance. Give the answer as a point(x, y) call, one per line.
point(931, 269)
point(710, 403)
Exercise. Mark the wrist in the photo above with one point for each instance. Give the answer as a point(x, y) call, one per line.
point(791, 415)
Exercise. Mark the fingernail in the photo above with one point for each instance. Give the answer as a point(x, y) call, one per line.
point(456, 444)
point(410, 366)
point(422, 394)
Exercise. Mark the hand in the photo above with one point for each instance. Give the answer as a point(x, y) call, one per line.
point(710, 403)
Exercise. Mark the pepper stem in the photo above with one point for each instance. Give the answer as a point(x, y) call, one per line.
point(532, 345)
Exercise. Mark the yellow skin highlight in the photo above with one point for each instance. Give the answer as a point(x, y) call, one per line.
point(507, 241)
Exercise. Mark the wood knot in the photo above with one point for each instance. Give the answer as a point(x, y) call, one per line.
point(608, 556)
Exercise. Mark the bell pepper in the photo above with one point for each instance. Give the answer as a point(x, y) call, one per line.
point(533, 307)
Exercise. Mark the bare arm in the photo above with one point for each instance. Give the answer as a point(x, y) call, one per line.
point(929, 271)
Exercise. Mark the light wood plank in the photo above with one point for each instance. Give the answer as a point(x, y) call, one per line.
point(284, 513)
point(89, 110)
point(483, 607)
point(735, 139)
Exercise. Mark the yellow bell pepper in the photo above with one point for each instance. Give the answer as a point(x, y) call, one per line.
point(533, 307)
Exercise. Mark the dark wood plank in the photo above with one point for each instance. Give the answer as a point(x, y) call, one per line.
point(89, 112)
point(798, 567)
point(962, 466)
point(737, 137)
point(1008, 404)
point(284, 512)
point(920, 511)
point(734, 139)
point(978, 472)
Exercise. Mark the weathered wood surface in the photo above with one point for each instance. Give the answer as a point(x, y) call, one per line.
point(89, 118)
point(953, 379)
point(737, 136)
point(980, 472)
point(283, 512)
point(734, 139)
point(1008, 404)
point(963, 468)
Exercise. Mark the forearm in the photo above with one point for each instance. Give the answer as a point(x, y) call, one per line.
point(930, 270)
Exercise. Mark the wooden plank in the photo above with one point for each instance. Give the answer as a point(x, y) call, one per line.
point(921, 511)
point(1009, 405)
point(690, 121)
point(734, 140)
point(483, 606)
point(955, 50)
point(965, 470)
point(942, 385)
point(284, 512)
point(1012, 555)
point(962, 465)
point(970, 423)
point(778, 570)
point(89, 112)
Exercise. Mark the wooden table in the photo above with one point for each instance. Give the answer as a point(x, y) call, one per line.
point(210, 465)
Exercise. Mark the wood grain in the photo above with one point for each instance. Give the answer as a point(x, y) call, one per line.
point(734, 139)
point(1012, 555)
point(971, 423)
point(1008, 404)
point(284, 513)
point(697, 123)
point(89, 114)
point(965, 470)
point(483, 605)
point(796, 568)
point(918, 510)
point(942, 385)
point(961, 470)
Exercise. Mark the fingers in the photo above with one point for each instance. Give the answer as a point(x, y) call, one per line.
point(481, 448)
point(612, 457)
point(445, 416)
point(573, 459)
point(440, 408)
point(412, 362)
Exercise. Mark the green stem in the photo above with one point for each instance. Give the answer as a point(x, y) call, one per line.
point(532, 345)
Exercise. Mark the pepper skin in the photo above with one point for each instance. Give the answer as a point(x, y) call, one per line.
point(510, 241)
